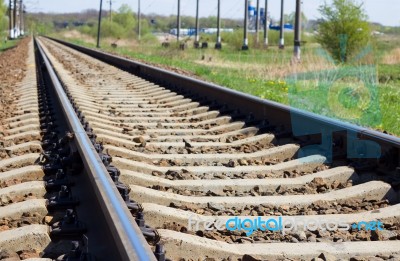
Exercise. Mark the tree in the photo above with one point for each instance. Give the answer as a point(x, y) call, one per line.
point(125, 17)
point(3, 20)
point(344, 30)
point(290, 18)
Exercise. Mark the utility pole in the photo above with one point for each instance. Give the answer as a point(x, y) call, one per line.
point(110, 10)
point(246, 18)
point(21, 18)
point(178, 21)
point(281, 33)
point(99, 25)
point(10, 20)
point(297, 32)
point(218, 45)
point(266, 24)
point(197, 37)
point(139, 22)
point(15, 19)
point(257, 21)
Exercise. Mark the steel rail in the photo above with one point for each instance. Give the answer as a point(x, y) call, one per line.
point(276, 113)
point(127, 235)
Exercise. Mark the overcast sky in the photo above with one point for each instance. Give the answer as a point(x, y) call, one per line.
point(382, 11)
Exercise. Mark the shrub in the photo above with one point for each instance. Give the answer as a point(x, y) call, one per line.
point(344, 30)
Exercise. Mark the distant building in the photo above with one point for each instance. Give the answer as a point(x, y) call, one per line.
point(277, 27)
point(376, 33)
point(192, 31)
point(214, 30)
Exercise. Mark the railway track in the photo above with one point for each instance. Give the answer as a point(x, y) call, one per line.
point(184, 153)
point(54, 203)
point(23, 208)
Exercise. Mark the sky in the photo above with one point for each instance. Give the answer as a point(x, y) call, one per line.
point(385, 12)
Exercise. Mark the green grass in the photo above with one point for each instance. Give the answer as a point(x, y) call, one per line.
point(7, 45)
point(389, 73)
point(352, 94)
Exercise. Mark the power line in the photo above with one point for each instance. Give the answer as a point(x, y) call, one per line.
point(148, 6)
point(230, 11)
point(173, 7)
point(110, 2)
point(183, 7)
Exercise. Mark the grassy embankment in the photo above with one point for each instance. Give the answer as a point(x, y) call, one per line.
point(7, 45)
point(316, 84)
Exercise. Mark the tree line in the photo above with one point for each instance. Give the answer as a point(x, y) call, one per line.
point(343, 25)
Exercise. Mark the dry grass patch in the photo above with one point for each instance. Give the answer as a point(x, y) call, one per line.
point(272, 68)
point(392, 58)
point(74, 34)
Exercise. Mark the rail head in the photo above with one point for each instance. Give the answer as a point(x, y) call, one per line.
point(275, 113)
point(127, 235)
